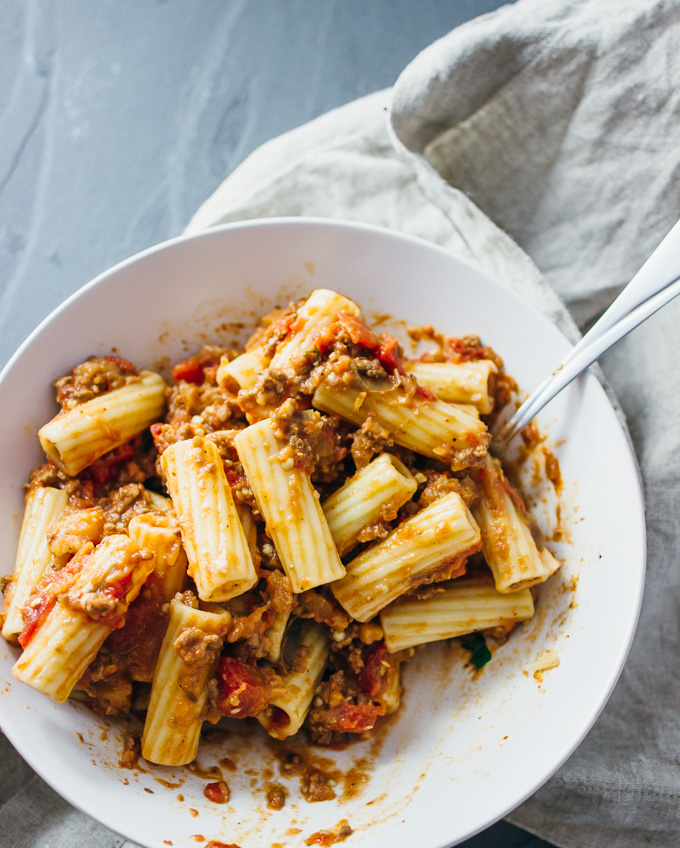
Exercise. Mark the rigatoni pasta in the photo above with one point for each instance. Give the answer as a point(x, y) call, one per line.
point(373, 495)
point(76, 614)
point(44, 506)
point(287, 712)
point(219, 557)
point(458, 382)
point(290, 507)
point(428, 426)
point(518, 558)
point(271, 536)
point(77, 437)
point(441, 533)
point(188, 657)
point(466, 605)
point(312, 320)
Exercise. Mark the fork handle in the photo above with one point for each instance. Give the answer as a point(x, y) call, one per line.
point(655, 284)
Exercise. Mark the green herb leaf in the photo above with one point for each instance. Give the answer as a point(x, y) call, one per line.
point(475, 643)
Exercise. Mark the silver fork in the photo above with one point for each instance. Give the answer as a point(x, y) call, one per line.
point(654, 285)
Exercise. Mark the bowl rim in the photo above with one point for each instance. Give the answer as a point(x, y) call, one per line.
point(110, 821)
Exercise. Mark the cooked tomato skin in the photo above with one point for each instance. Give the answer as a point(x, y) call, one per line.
point(373, 678)
point(385, 347)
point(244, 689)
point(353, 718)
point(190, 370)
point(107, 467)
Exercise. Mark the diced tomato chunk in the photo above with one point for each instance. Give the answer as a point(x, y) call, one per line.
point(389, 354)
point(139, 640)
point(191, 370)
point(244, 689)
point(358, 331)
point(373, 677)
point(106, 468)
point(354, 718)
point(124, 364)
point(34, 617)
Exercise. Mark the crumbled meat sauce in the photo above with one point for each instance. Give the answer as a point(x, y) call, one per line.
point(326, 838)
point(531, 435)
point(195, 646)
point(276, 798)
point(314, 783)
point(552, 468)
point(371, 438)
point(96, 376)
point(312, 441)
point(132, 750)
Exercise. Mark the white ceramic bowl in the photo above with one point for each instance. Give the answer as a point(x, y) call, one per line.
point(463, 751)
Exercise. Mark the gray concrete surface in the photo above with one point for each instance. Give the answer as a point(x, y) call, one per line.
point(119, 117)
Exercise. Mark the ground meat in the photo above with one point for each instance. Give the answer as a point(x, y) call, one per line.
point(339, 707)
point(108, 687)
point(322, 608)
point(315, 788)
point(452, 349)
point(276, 798)
point(274, 327)
point(122, 505)
point(198, 407)
point(132, 750)
point(97, 376)
point(132, 462)
point(371, 438)
point(250, 629)
point(312, 440)
point(218, 792)
point(196, 646)
point(280, 591)
point(269, 390)
point(440, 483)
point(314, 783)
point(370, 368)
point(46, 474)
point(238, 482)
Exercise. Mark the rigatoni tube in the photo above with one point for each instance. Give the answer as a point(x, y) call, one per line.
point(290, 710)
point(44, 506)
point(320, 310)
point(161, 535)
point(109, 578)
point(76, 438)
point(510, 549)
point(457, 382)
point(219, 557)
point(438, 534)
point(244, 369)
point(188, 659)
point(291, 509)
point(431, 427)
point(463, 606)
point(374, 493)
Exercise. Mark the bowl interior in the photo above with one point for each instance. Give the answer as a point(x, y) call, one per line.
point(478, 744)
